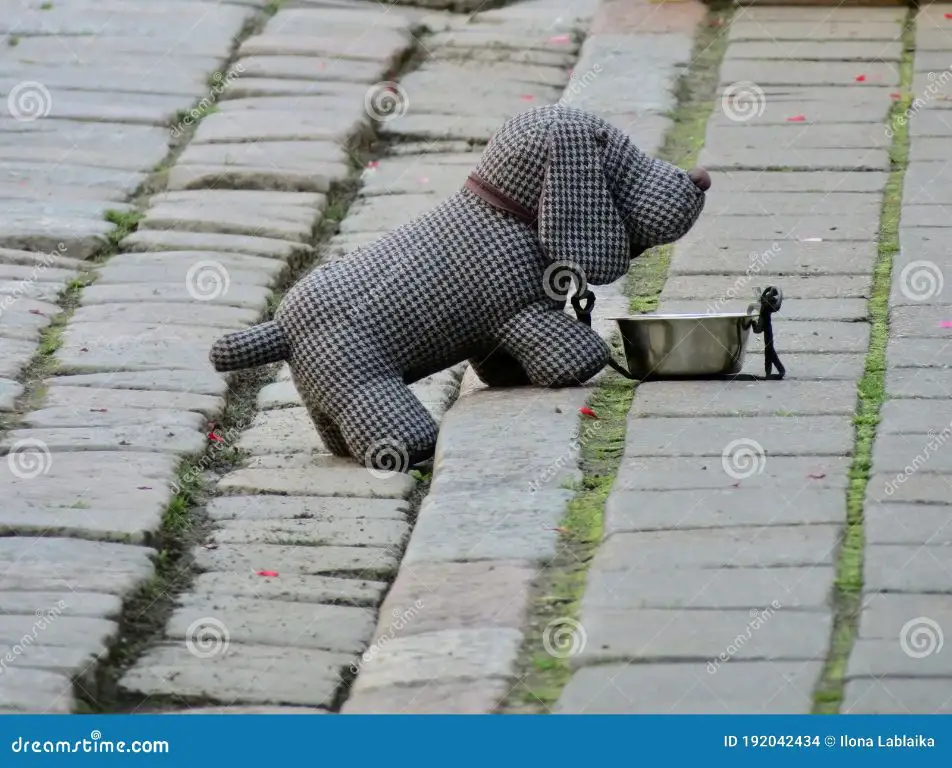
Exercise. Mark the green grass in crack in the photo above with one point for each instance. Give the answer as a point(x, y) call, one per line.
point(125, 223)
point(847, 597)
point(558, 595)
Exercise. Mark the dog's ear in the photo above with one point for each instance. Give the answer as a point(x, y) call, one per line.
point(579, 223)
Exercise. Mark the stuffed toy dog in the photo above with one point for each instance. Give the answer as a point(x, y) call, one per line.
point(477, 278)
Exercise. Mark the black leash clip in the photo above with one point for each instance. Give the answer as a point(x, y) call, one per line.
point(770, 301)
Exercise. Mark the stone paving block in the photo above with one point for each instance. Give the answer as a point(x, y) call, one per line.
point(697, 588)
point(63, 602)
point(415, 176)
point(927, 183)
point(101, 181)
point(689, 688)
point(82, 237)
point(796, 71)
point(330, 509)
point(315, 476)
point(314, 532)
point(195, 382)
point(926, 383)
point(315, 68)
point(53, 564)
point(381, 214)
point(264, 152)
point(281, 431)
point(239, 674)
point(757, 203)
point(807, 110)
point(726, 257)
point(883, 658)
point(921, 320)
point(85, 493)
point(269, 622)
point(669, 635)
point(815, 31)
point(441, 127)
point(186, 312)
point(799, 137)
point(744, 159)
point(440, 657)
point(67, 416)
point(149, 240)
point(907, 568)
point(472, 697)
point(768, 546)
point(843, 310)
point(926, 149)
point(661, 474)
point(373, 44)
point(904, 455)
point(367, 562)
point(827, 342)
point(105, 347)
point(920, 487)
point(761, 436)
point(209, 284)
point(36, 692)
point(633, 511)
point(744, 398)
point(804, 50)
point(784, 227)
point(799, 181)
point(318, 177)
point(907, 618)
point(896, 696)
point(128, 267)
point(433, 597)
point(291, 588)
point(9, 392)
point(918, 353)
point(231, 222)
point(15, 355)
point(282, 203)
point(911, 418)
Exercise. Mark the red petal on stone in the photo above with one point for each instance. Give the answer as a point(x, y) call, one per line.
point(945, 324)
point(860, 78)
point(527, 97)
point(948, 15)
point(797, 119)
point(587, 412)
point(562, 39)
point(373, 164)
point(215, 438)
point(268, 574)
point(895, 96)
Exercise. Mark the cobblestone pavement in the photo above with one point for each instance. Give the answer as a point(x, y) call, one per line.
point(320, 586)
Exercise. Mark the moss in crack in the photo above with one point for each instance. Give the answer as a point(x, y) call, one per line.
point(847, 596)
point(125, 223)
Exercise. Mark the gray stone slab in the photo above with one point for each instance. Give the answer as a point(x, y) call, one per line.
point(806, 109)
point(415, 176)
point(372, 44)
point(318, 177)
point(206, 314)
point(366, 562)
point(269, 622)
point(633, 511)
point(63, 602)
point(926, 149)
point(767, 688)
point(472, 697)
point(36, 692)
point(381, 214)
point(231, 222)
point(930, 320)
point(844, 310)
point(897, 696)
point(799, 181)
point(799, 289)
point(765, 436)
point(442, 127)
point(149, 240)
point(82, 237)
point(883, 658)
point(240, 674)
point(919, 487)
point(15, 355)
point(52, 564)
point(744, 398)
point(909, 618)
point(177, 440)
point(927, 183)
point(819, 15)
point(907, 568)
point(291, 588)
point(314, 532)
point(911, 417)
point(330, 509)
point(57, 417)
point(904, 455)
point(797, 71)
point(281, 431)
point(770, 546)
point(918, 353)
point(804, 50)
point(656, 474)
point(798, 137)
point(742, 158)
point(756, 203)
point(447, 655)
point(781, 227)
point(197, 382)
point(814, 30)
point(757, 260)
point(821, 339)
point(701, 635)
point(208, 285)
point(934, 383)
point(9, 392)
point(144, 266)
point(314, 68)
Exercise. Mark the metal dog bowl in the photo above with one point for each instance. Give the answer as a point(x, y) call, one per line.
point(662, 346)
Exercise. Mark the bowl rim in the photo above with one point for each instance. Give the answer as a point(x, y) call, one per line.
point(648, 317)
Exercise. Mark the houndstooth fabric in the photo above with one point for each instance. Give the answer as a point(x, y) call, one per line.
point(466, 281)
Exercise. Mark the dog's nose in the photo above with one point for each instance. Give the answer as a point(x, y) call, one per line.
point(701, 178)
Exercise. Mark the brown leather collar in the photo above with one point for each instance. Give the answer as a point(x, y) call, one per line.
point(499, 200)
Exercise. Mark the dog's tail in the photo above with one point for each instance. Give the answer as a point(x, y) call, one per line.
point(259, 345)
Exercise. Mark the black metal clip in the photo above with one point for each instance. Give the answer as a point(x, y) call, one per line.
point(770, 301)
